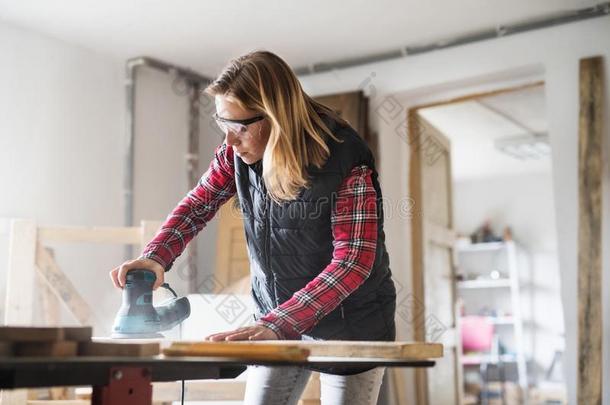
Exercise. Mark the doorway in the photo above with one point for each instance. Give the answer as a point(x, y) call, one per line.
point(480, 172)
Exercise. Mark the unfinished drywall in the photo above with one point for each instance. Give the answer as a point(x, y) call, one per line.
point(551, 54)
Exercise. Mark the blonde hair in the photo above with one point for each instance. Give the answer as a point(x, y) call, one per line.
point(262, 82)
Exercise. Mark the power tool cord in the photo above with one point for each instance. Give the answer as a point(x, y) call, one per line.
point(167, 287)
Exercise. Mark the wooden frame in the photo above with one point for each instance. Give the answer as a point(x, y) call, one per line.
point(28, 257)
point(590, 177)
point(29, 261)
point(417, 222)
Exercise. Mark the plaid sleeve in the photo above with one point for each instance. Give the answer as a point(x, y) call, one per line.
point(191, 214)
point(354, 227)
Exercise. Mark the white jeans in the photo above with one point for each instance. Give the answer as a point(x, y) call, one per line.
point(284, 386)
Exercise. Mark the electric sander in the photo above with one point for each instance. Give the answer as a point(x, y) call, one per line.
point(138, 318)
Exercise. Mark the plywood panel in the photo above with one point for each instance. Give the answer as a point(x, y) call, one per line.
point(232, 262)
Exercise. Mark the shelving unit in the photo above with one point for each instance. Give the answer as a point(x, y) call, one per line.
point(506, 282)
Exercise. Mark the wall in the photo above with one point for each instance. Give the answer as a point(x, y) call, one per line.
point(61, 137)
point(525, 203)
point(551, 54)
point(62, 133)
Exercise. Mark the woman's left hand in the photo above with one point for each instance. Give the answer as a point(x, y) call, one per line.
point(256, 332)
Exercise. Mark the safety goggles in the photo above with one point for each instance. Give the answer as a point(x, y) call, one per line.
point(238, 127)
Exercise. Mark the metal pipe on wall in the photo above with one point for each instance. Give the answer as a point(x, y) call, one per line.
point(599, 10)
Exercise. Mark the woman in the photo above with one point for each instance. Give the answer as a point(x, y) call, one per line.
point(308, 190)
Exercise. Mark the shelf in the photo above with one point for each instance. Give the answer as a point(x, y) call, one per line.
point(485, 283)
point(475, 359)
point(481, 247)
point(497, 320)
point(502, 320)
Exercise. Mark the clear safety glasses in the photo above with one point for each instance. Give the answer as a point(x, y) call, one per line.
point(238, 127)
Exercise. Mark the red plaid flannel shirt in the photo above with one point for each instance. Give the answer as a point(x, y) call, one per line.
point(354, 228)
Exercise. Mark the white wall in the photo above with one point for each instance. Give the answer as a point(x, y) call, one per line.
point(551, 54)
point(525, 203)
point(61, 137)
point(62, 132)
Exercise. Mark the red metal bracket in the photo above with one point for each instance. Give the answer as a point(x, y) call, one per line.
point(126, 386)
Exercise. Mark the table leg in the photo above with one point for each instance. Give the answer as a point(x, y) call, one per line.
point(126, 386)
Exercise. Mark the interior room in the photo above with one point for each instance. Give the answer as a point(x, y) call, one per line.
point(422, 216)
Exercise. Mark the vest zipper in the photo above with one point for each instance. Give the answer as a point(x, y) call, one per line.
point(268, 240)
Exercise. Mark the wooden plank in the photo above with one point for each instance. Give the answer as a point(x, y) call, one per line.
point(31, 334)
point(366, 349)
point(312, 389)
point(328, 348)
point(60, 393)
point(62, 286)
point(204, 390)
point(417, 245)
point(238, 250)
point(44, 333)
point(21, 273)
point(78, 333)
point(13, 397)
point(118, 349)
point(590, 175)
point(90, 234)
point(245, 350)
point(228, 266)
point(49, 301)
point(46, 349)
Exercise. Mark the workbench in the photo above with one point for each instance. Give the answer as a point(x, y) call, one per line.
point(124, 380)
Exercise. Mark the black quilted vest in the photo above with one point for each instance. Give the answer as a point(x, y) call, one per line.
point(289, 244)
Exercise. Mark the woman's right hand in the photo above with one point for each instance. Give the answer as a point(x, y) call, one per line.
point(118, 274)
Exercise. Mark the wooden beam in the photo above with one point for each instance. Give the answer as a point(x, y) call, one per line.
point(91, 234)
point(21, 273)
point(477, 96)
point(417, 243)
point(46, 349)
point(148, 230)
point(62, 286)
point(49, 302)
point(590, 164)
point(327, 348)
point(119, 348)
point(251, 350)
point(440, 235)
point(31, 334)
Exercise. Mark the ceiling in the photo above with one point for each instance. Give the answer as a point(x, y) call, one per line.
point(472, 126)
point(204, 35)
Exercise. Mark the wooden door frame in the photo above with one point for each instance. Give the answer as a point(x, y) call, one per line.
point(590, 218)
point(417, 225)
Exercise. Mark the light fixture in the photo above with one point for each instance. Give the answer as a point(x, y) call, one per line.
point(523, 147)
